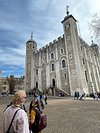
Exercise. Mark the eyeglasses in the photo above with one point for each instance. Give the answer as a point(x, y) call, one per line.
point(24, 97)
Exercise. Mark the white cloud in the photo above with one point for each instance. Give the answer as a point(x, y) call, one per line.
point(43, 17)
point(12, 57)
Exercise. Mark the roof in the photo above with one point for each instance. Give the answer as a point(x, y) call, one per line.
point(67, 17)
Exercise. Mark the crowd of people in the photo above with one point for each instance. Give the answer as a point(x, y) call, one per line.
point(16, 119)
point(95, 95)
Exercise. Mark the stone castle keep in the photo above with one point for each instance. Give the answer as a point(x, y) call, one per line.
point(67, 64)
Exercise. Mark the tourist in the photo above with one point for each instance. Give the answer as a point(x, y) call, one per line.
point(82, 96)
point(45, 97)
point(15, 119)
point(34, 116)
point(95, 95)
point(41, 102)
point(76, 95)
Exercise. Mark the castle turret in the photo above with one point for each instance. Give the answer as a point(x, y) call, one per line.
point(31, 49)
point(72, 53)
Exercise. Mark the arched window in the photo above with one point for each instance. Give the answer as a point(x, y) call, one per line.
point(63, 64)
point(36, 71)
point(52, 55)
point(53, 82)
point(36, 84)
point(52, 67)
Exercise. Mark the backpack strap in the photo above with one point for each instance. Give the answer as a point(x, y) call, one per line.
point(12, 120)
point(30, 107)
point(37, 116)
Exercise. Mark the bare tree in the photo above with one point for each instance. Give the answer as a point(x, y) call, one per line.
point(11, 82)
point(95, 25)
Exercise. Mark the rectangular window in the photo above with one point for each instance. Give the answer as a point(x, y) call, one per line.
point(86, 76)
point(62, 51)
point(83, 61)
point(65, 76)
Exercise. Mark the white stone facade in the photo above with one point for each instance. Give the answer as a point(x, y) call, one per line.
point(68, 63)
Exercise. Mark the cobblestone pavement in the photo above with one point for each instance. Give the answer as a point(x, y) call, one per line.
point(66, 115)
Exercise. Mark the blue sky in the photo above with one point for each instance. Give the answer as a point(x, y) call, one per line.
point(18, 18)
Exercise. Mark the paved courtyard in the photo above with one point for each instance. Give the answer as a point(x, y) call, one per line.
point(66, 115)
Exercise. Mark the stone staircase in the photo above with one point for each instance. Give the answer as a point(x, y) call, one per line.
point(54, 91)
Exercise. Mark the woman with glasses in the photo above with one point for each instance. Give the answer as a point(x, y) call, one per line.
point(15, 119)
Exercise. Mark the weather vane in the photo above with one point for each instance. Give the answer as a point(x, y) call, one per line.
point(92, 39)
point(67, 10)
point(31, 35)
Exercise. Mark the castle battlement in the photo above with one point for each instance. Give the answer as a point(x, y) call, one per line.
point(54, 41)
point(51, 43)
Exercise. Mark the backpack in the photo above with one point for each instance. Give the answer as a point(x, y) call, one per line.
point(34, 126)
point(42, 121)
point(30, 106)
